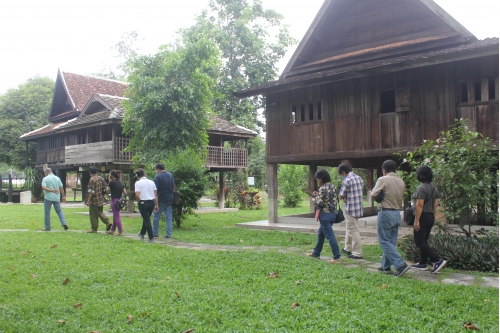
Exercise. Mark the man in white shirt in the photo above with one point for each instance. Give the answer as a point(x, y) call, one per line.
point(147, 197)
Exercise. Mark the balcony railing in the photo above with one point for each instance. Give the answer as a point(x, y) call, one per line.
point(227, 157)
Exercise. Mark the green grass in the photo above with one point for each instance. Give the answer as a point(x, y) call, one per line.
point(171, 290)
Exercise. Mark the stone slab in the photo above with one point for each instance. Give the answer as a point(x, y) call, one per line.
point(489, 281)
point(459, 279)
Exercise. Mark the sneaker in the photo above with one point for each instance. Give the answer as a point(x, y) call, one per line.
point(65, 227)
point(333, 261)
point(91, 231)
point(152, 240)
point(141, 237)
point(44, 229)
point(420, 267)
point(167, 237)
point(346, 252)
point(401, 270)
point(352, 256)
point(438, 265)
point(156, 236)
point(108, 226)
point(385, 270)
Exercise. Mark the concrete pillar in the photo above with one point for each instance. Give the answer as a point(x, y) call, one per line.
point(312, 184)
point(272, 192)
point(131, 192)
point(369, 185)
point(221, 190)
point(25, 197)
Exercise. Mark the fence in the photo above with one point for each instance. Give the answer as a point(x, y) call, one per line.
point(9, 185)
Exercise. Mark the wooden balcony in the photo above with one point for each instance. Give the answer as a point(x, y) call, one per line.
point(99, 153)
point(50, 157)
point(226, 159)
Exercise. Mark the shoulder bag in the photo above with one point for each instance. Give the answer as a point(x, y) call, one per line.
point(409, 214)
point(121, 203)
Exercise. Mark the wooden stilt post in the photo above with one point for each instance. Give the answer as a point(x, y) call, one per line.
point(131, 192)
point(221, 189)
point(369, 185)
point(272, 192)
point(312, 184)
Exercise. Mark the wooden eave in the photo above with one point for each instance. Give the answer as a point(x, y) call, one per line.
point(376, 67)
point(89, 125)
point(233, 136)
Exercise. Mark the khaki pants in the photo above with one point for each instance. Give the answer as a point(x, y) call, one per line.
point(352, 238)
point(96, 212)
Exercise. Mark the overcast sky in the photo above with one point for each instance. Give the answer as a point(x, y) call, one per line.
point(38, 37)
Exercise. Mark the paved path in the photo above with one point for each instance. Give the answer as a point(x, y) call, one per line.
point(453, 278)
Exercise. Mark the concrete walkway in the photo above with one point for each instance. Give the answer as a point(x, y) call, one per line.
point(371, 267)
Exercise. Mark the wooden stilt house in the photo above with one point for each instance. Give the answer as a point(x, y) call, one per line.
point(371, 78)
point(85, 129)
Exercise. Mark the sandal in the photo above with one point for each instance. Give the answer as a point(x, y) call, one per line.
point(119, 234)
point(333, 261)
point(110, 232)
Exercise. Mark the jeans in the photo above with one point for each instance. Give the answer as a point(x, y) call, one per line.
point(146, 208)
point(167, 209)
point(117, 222)
point(57, 207)
point(422, 239)
point(96, 213)
point(388, 223)
point(325, 231)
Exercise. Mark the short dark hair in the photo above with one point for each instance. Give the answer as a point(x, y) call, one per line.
point(93, 169)
point(424, 174)
point(345, 168)
point(140, 172)
point(160, 166)
point(323, 175)
point(389, 166)
point(115, 174)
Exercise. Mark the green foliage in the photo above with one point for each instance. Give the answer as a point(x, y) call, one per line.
point(170, 95)
point(249, 199)
point(243, 32)
point(292, 180)
point(190, 178)
point(238, 182)
point(465, 167)
point(23, 110)
point(33, 181)
point(463, 253)
point(257, 166)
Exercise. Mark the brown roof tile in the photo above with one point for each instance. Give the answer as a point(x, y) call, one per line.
point(222, 125)
point(40, 131)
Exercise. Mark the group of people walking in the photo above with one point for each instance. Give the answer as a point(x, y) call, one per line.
point(154, 198)
point(388, 218)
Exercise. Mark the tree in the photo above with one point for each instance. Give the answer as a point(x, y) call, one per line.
point(22, 110)
point(257, 166)
point(465, 167)
point(170, 95)
point(242, 31)
point(292, 180)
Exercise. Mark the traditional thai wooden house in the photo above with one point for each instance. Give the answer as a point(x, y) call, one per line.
point(371, 78)
point(85, 129)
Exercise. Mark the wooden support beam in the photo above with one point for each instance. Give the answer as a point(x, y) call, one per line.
point(221, 189)
point(272, 192)
point(369, 184)
point(312, 184)
point(131, 192)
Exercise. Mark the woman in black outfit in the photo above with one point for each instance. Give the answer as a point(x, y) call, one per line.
point(426, 203)
point(116, 188)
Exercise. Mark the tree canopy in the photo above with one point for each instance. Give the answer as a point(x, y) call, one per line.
point(170, 95)
point(251, 40)
point(22, 110)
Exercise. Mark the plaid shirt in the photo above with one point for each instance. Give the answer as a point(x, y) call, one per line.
point(95, 187)
point(352, 189)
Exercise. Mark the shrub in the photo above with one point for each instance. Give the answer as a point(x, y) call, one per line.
point(463, 253)
point(292, 179)
point(249, 199)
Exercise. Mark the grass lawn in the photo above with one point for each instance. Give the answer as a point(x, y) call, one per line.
point(165, 289)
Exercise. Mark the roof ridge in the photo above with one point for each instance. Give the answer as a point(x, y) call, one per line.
point(97, 77)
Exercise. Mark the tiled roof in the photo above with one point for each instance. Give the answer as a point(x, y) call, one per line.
point(42, 130)
point(222, 125)
point(261, 89)
point(81, 87)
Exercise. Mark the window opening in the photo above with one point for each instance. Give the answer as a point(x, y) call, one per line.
point(491, 89)
point(477, 91)
point(311, 112)
point(302, 113)
point(464, 92)
point(387, 101)
point(294, 114)
point(319, 110)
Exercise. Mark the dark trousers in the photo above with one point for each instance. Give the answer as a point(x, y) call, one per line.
point(146, 208)
point(422, 238)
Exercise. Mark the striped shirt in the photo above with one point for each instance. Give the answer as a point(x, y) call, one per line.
point(352, 190)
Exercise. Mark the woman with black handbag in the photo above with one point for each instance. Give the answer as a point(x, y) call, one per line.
point(325, 202)
point(117, 190)
point(426, 203)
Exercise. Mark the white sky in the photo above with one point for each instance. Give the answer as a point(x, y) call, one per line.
point(38, 37)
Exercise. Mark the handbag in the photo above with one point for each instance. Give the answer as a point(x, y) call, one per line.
point(340, 214)
point(121, 203)
point(177, 201)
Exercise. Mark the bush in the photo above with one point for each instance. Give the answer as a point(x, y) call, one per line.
point(250, 199)
point(292, 180)
point(463, 253)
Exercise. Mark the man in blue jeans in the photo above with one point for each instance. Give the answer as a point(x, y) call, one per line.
point(389, 218)
point(53, 189)
point(165, 186)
